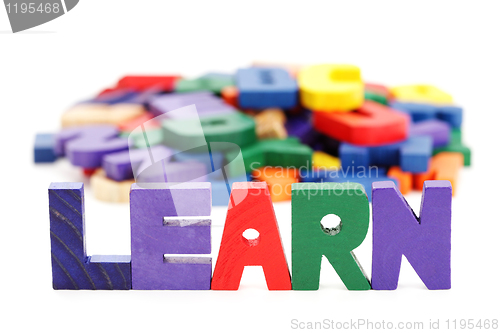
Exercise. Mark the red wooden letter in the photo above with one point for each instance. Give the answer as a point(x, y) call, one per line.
point(372, 124)
point(250, 207)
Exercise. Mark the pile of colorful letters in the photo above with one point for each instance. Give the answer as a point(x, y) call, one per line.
point(281, 125)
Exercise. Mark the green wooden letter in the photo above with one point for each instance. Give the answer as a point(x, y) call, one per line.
point(310, 240)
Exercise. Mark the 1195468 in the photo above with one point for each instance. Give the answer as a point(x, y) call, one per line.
point(25, 7)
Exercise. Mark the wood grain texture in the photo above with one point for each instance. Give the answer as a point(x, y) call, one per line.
point(71, 267)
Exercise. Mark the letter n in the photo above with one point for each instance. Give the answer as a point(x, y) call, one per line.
point(425, 241)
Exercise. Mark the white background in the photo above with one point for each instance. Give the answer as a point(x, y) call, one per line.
point(43, 71)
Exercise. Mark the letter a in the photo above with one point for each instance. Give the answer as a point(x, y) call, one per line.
point(250, 207)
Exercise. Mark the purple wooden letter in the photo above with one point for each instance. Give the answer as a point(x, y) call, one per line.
point(86, 146)
point(439, 130)
point(153, 236)
point(206, 104)
point(125, 164)
point(425, 241)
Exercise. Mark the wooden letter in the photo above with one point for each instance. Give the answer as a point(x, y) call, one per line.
point(250, 207)
point(425, 241)
point(310, 240)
